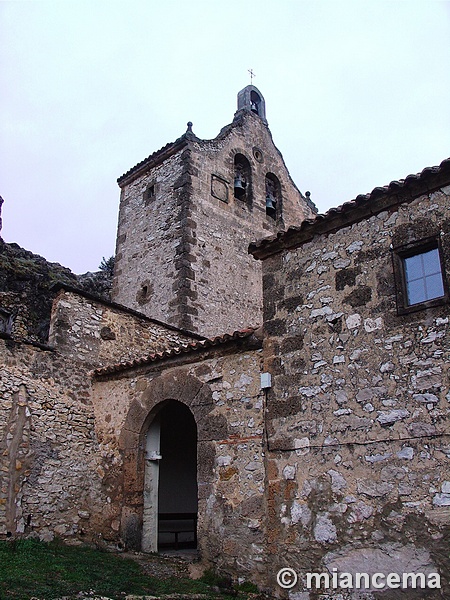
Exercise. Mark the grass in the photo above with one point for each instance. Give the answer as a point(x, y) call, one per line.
point(33, 569)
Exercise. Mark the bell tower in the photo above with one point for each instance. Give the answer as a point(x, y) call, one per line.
point(250, 98)
point(187, 215)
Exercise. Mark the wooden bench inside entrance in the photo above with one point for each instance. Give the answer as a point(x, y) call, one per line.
point(176, 523)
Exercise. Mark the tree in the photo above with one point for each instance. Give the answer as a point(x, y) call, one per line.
point(107, 265)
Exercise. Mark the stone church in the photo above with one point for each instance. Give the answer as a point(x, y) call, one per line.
point(266, 384)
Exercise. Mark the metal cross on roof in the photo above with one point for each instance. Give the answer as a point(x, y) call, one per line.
point(251, 76)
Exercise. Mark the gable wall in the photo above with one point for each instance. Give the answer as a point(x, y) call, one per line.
point(188, 246)
point(226, 281)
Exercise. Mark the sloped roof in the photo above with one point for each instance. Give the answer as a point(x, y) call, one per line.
point(362, 207)
point(155, 158)
point(185, 348)
point(60, 285)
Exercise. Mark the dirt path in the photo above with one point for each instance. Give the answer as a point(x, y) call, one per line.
point(164, 566)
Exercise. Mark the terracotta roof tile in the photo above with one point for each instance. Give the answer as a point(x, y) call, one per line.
point(429, 178)
point(160, 154)
point(184, 348)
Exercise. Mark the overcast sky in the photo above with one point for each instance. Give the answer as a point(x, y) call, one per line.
point(357, 94)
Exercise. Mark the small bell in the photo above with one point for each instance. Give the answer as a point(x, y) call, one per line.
point(239, 186)
point(271, 204)
point(254, 108)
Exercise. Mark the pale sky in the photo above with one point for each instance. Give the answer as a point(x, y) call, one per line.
point(357, 94)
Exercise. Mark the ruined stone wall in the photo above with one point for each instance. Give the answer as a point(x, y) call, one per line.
point(223, 393)
point(359, 447)
point(225, 281)
point(27, 290)
point(147, 239)
point(26, 294)
point(50, 460)
point(97, 333)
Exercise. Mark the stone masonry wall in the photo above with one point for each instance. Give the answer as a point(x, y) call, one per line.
point(50, 460)
point(52, 467)
point(223, 393)
point(225, 280)
point(359, 448)
point(182, 253)
point(97, 333)
point(146, 241)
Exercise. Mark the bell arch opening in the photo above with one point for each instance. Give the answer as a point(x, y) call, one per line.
point(242, 179)
point(273, 196)
point(170, 479)
point(255, 100)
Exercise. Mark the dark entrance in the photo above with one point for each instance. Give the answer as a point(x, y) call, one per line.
point(177, 490)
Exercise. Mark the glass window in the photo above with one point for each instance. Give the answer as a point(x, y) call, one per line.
point(423, 277)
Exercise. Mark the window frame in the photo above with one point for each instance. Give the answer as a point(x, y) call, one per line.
point(6, 323)
point(150, 193)
point(399, 254)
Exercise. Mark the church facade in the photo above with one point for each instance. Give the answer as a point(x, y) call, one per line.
point(283, 405)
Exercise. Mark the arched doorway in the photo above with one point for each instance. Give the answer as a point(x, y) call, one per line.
point(170, 479)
